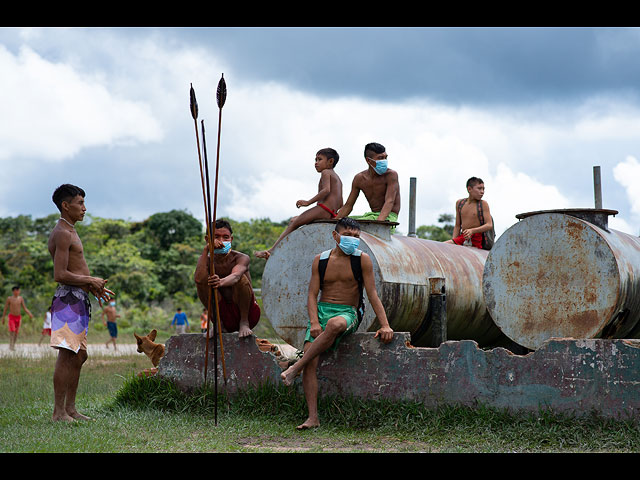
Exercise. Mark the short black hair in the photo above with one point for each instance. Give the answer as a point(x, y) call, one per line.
point(374, 147)
point(347, 223)
point(330, 153)
point(222, 223)
point(473, 181)
point(15, 288)
point(65, 193)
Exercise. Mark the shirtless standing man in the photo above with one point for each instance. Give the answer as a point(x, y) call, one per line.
point(70, 307)
point(15, 304)
point(379, 185)
point(468, 229)
point(239, 311)
point(334, 315)
point(329, 197)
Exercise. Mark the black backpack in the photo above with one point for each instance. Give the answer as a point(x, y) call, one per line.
point(356, 268)
point(488, 237)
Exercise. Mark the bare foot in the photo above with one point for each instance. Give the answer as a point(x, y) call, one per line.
point(77, 416)
point(62, 417)
point(245, 332)
point(263, 254)
point(309, 423)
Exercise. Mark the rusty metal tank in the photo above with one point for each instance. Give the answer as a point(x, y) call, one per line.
point(564, 273)
point(402, 269)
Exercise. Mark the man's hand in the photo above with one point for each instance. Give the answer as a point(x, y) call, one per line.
point(385, 334)
point(302, 203)
point(315, 329)
point(215, 281)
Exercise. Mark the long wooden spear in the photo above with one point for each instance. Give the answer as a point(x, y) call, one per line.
point(207, 217)
point(221, 97)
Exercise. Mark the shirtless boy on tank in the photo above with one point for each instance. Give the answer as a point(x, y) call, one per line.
point(380, 187)
point(468, 229)
point(329, 197)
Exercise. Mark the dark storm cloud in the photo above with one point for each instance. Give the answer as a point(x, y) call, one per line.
point(453, 65)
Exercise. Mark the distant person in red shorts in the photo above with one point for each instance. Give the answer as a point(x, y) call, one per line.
point(469, 229)
point(237, 305)
point(15, 304)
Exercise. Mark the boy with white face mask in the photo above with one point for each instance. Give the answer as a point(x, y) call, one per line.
point(379, 185)
point(335, 314)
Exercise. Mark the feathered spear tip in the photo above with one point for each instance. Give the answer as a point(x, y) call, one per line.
point(194, 104)
point(221, 94)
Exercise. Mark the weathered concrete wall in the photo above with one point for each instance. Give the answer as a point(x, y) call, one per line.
point(565, 375)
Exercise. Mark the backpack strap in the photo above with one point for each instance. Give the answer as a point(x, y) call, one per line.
point(356, 267)
point(322, 265)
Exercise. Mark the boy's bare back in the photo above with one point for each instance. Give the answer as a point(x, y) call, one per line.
point(333, 200)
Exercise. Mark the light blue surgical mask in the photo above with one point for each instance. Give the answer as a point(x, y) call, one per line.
point(348, 244)
point(225, 249)
point(381, 166)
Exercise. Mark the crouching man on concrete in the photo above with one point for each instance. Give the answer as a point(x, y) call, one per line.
point(338, 313)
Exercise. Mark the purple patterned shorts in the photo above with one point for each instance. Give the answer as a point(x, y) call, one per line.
point(70, 316)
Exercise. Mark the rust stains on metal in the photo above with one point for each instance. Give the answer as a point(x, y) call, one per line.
point(554, 274)
point(402, 269)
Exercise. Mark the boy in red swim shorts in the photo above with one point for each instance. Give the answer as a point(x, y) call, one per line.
point(15, 304)
point(473, 217)
point(328, 199)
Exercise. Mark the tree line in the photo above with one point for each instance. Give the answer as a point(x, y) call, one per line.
point(149, 264)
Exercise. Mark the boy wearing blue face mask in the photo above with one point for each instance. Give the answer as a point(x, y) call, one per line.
point(335, 314)
point(379, 185)
point(239, 311)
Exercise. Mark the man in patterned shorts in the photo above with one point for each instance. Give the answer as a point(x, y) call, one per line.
point(70, 307)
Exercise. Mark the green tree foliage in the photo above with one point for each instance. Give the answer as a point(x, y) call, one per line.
point(434, 232)
point(149, 264)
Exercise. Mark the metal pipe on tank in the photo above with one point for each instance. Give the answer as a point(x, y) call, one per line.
point(564, 273)
point(402, 269)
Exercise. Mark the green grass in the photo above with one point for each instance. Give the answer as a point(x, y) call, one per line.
point(151, 415)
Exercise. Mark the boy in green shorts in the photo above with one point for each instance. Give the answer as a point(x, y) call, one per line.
point(335, 315)
point(379, 185)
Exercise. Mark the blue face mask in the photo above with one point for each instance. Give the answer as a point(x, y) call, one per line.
point(348, 244)
point(225, 249)
point(381, 166)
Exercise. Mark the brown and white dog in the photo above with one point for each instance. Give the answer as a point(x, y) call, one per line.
point(155, 351)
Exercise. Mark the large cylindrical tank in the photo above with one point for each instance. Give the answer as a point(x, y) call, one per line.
point(564, 273)
point(402, 267)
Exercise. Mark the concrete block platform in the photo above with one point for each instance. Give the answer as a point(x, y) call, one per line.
point(564, 375)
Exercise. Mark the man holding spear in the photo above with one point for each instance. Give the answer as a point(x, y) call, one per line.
point(239, 311)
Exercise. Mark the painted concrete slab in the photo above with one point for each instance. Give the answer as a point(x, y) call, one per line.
point(564, 375)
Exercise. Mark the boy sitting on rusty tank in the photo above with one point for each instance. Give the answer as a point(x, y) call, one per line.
point(329, 197)
point(339, 310)
point(473, 217)
point(239, 311)
point(380, 187)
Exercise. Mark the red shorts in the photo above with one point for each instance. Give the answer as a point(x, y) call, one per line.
point(230, 314)
point(476, 240)
point(14, 322)
point(46, 331)
point(333, 214)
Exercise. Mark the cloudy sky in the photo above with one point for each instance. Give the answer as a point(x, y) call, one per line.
point(529, 110)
